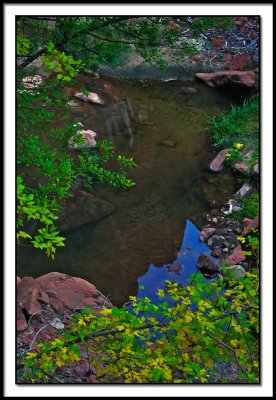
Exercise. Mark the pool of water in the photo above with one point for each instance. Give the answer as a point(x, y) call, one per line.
point(173, 184)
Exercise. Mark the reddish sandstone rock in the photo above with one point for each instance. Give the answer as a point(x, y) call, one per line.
point(59, 292)
point(236, 256)
point(250, 224)
point(90, 97)
point(228, 78)
point(239, 61)
point(216, 164)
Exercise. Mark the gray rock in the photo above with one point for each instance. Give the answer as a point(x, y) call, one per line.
point(235, 271)
point(216, 164)
point(82, 208)
point(256, 169)
point(206, 233)
point(73, 103)
point(244, 191)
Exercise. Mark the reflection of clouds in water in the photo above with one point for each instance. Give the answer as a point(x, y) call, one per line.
point(187, 258)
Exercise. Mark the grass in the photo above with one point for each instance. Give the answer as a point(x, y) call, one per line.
point(250, 207)
point(240, 125)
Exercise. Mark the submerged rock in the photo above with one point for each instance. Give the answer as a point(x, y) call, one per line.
point(80, 209)
point(189, 90)
point(175, 267)
point(168, 143)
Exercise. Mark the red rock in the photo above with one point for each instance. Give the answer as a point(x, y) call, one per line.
point(216, 164)
point(236, 256)
point(218, 42)
point(251, 224)
point(21, 323)
point(227, 57)
point(226, 78)
point(239, 61)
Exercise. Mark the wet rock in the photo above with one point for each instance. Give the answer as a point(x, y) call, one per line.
point(80, 209)
point(90, 97)
point(244, 191)
point(236, 256)
point(189, 90)
point(206, 233)
point(251, 224)
point(216, 164)
point(206, 265)
point(228, 78)
point(89, 140)
point(241, 167)
point(235, 271)
point(168, 143)
point(175, 267)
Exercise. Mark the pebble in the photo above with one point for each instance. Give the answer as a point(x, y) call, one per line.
point(215, 220)
point(225, 250)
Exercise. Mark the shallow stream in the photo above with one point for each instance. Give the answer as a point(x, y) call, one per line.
point(167, 138)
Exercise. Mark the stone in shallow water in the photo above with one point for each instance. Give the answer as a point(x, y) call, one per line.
point(168, 143)
point(216, 164)
point(175, 267)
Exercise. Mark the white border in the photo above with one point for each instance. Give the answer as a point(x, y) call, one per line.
point(12, 390)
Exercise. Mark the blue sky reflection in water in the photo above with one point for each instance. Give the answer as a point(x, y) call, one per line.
point(187, 257)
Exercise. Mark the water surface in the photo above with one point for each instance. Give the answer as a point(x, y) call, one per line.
point(173, 184)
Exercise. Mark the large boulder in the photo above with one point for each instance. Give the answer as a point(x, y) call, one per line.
point(216, 164)
point(57, 292)
point(228, 78)
point(80, 209)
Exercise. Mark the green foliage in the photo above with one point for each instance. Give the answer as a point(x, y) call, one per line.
point(240, 125)
point(65, 65)
point(41, 210)
point(23, 45)
point(249, 207)
point(48, 167)
point(189, 331)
